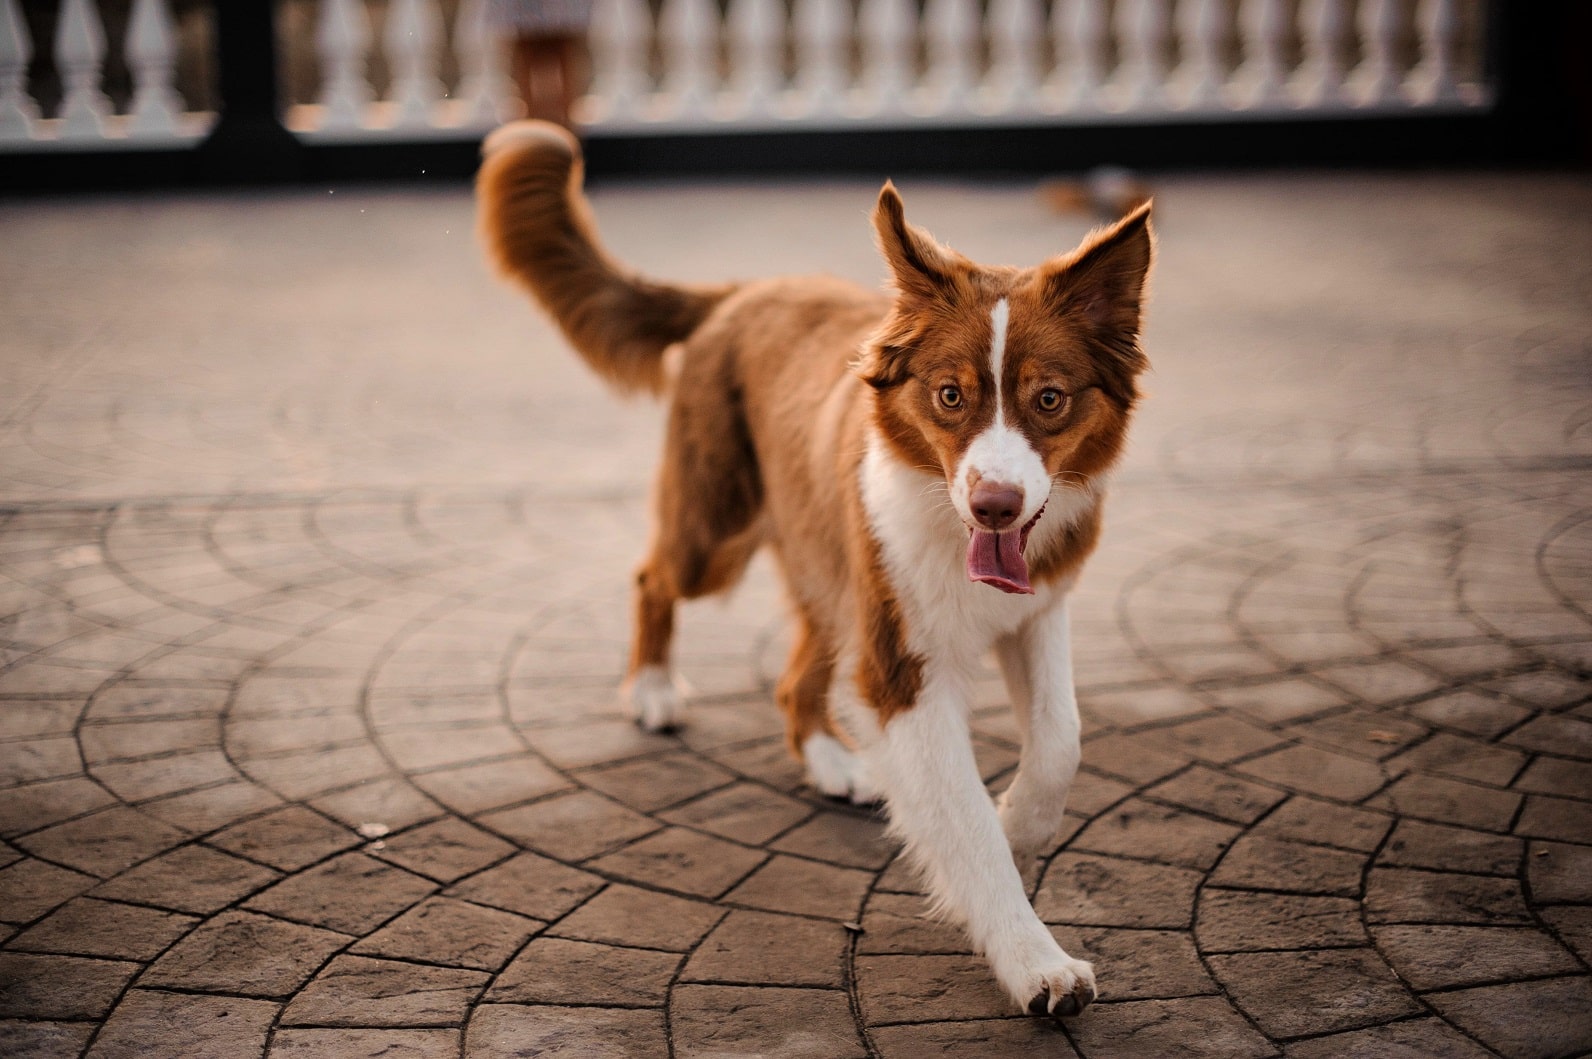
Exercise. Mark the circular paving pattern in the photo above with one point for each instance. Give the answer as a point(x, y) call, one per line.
point(329, 771)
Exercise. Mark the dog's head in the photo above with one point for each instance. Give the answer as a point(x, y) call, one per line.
point(1010, 383)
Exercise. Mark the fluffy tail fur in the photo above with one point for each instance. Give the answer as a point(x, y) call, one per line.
point(538, 230)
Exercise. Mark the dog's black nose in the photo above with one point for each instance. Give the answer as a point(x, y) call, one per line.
point(996, 505)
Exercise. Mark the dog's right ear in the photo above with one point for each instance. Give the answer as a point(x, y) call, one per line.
point(920, 266)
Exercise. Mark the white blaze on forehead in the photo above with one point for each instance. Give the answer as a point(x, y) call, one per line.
point(1001, 453)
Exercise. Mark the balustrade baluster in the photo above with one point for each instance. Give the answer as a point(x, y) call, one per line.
point(621, 33)
point(1323, 73)
point(413, 29)
point(952, 28)
point(1261, 79)
point(888, 29)
point(1016, 36)
point(152, 56)
point(343, 42)
point(1202, 28)
point(80, 56)
point(1378, 79)
point(756, 30)
point(1433, 80)
point(1080, 29)
point(484, 84)
point(1143, 31)
point(17, 112)
point(822, 28)
point(688, 31)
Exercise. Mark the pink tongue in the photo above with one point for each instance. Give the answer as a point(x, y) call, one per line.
point(997, 559)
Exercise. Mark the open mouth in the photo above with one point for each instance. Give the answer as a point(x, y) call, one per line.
point(997, 558)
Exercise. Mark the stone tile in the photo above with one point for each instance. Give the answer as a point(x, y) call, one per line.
point(44, 1040)
point(419, 749)
point(288, 839)
point(213, 807)
point(1463, 758)
point(595, 742)
point(42, 804)
point(1310, 820)
point(745, 812)
point(183, 1024)
point(351, 893)
point(1366, 734)
point(1132, 759)
point(803, 887)
point(1310, 770)
point(1450, 802)
point(1398, 895)
point(302, 776)
point(511, 1031)
point(1545, 688)
point(903, 924)
point(1524, 1020)
point(1218, 739)
point(456, 933)
point(87, 927)
point(712, 1021)
point(558, 971)
point(1418, 844)
point(572, 826)
point(1556, 775)
point(1573, 925)
point(1142, 828)
point(1194, 1027)
point(1555, 734)
point(653, 783)
point(45, 758)
point(761, 948)
point(1442, 957)
point(446, 850)
point(1084, 890)
point(147, 738)
point(1555, 818)
point(529, 884)
point(477, 788)
point(983, 1039)
point(1140, 964)
point(241, 952)
point(364, 1044)
point(1559, 873)
point(1092, 793)
point(1471, 712)
point(1279, 702)
point(29, 888)
point(1380, 682)
point(625, 915)
point(769, 760)
point(360, 991)
point(24, 719)
point(188, 879)
point(682, 860)
point(1218, 794)
point(60, 987)
point(1143, 705)
point(103, 843)
point(896, 989)
point(386, 800)
point(1240, 921)
point(841, 837)
point(1414, 1039)
point(1292, 994)
point(1260, 862)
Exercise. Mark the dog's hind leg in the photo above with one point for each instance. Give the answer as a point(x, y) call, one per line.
point(803, 696)
point(708, 508)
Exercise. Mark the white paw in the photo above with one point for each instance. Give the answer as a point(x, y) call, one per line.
point(1043, 980)
point(835, 771)
point(654, 699)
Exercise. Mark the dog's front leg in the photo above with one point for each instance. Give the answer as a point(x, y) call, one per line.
point(1037, 663)
point(923, 757)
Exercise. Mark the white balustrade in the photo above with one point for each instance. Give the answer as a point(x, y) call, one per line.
point(856, 63)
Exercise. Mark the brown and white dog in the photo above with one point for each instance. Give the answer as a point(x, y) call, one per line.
point(927, 467)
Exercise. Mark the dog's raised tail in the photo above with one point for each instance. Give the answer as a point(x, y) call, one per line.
point(538, 230)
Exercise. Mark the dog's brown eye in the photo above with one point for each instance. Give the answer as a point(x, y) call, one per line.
point(1049, 400)
point(950, 397)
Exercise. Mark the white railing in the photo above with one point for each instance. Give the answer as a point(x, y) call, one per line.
point(703, 65)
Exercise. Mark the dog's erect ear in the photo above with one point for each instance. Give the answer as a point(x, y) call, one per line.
point(1103, 280)
point(920, 266)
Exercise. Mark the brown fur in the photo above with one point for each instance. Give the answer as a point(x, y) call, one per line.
point(769, 415)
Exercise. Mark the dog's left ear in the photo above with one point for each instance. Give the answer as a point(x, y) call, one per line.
point(1103, 280)
point(920, 266)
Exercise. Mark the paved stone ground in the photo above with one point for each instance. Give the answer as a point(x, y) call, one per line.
point(315, 548)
